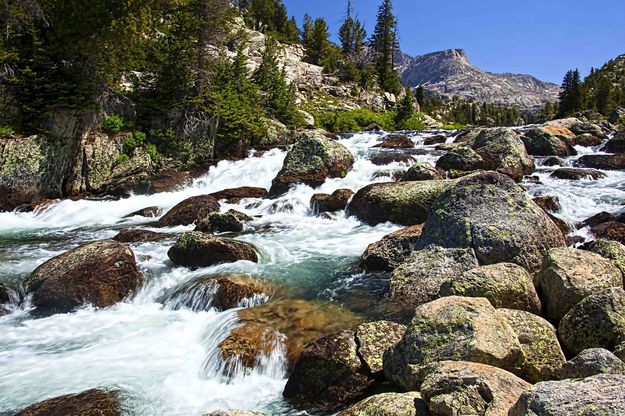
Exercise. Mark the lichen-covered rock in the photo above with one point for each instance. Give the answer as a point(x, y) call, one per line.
point(543, 355)
point(405, 203)
point(422, 172)
point(598, 321)
point(499, 150)
point(598, 395)
point(197, 249)
point(189, 211)
point(505, 285)
point(135, 235)
point(490, 214)
point(592, 362)
point(603, 162)
point(389, 404)
point(396, 141)
point(101, 273)
point(467, 388)
point(419, 279)
point(221, 292)
point(94, 402)
point(292, 322)
point(337, 201)
point(612, 250)
point(452, 328)
point(568, 275)
point(549, 141)
point(610, 230)
point(311, 161)
point(219, 222)
point(588, 140)
point(327, 374)
point(374, 339)
point(391, 251)
point(235, 195)
point(575, 174)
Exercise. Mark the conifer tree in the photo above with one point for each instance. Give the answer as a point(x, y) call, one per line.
point(352, 35)
point(316, 42)
point(572, 95)
point(406, 110)
point(603, 96)
point(384, 45)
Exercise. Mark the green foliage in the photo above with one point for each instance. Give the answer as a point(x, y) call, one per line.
point(353, 120)
point(121, 158)
point(452, 126)
point(384, 44)
point(112, 124)
point(573, 95)
point(6, 131)
point(352, 35)
point(270, 16)
point(316, 41)
point(134, 140)
point(406, 110)
point(151, 150)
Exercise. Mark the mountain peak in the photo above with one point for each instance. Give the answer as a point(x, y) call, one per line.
point(452, 54)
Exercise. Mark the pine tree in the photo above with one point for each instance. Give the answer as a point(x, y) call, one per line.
point(384, 45)
point(572, 95)
point(406, 110)
point(603, 96)
point(420, 95)
point(307, 30)
point(317, 42)
point(352, 35)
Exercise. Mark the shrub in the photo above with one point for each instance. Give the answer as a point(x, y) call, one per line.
point(6, 131)
point(112, 124)
point(151, 150)
point(134, 140)
point(121, 158)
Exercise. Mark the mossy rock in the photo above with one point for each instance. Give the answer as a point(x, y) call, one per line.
point(220, 222)
point(592, 362)
point(612, 250)
point(389, 404)
point(422, 172)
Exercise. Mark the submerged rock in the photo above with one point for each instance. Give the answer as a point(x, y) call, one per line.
point(101, 273)
point(189, 211)
point(311, 161)
point(396, 141)
point(616, 144)
point(575, 174)
point(337, 201)
point(391, 251)
point(592, 362)
point(389, 404)
point(569, 275)
point(452, 328)
point(234, 412)
point(597, 395)
point(386, 158)
point(405, 203)
point(490, 214)
point(149, 212)
point(196, 249)
point(6, 296)
point(235, 195)
point(94, 402)
point(466, 388)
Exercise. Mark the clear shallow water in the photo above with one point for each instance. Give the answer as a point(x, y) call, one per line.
point(166, 361)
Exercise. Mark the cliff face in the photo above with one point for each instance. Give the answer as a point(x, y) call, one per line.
point(449, 73)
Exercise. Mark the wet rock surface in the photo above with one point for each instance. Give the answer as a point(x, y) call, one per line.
point(196, 249)
point(189, 211)
point(94, 402)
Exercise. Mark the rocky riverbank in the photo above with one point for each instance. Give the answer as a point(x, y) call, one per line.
point(499, 298)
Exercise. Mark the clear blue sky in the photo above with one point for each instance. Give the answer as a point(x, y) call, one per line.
point(544, 38)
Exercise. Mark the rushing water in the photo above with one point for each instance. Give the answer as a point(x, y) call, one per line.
point(165, 358)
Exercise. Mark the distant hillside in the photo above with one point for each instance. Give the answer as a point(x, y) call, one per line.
point(449, 73)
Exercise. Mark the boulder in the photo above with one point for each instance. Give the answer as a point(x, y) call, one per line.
point(219, 222)
point(588, 140)
point(587, 128)
point(389, 404)
point(553, 161)
point(196, 249)
point(505, 285)
point(611, 250)
point(598, 321)
point(149, 212)
point(467, 388)
point(603, 162)
point(616, 115)
point(311, 161)
point(386, 158)
point(392, 250)
point(438, 139)
point(611, 230)
point(615, 144)
point(337, 201)
point(189, 211)
point(221, 292)
point(620, 351)
point(592, 362)
point(235, 195)
point(374, 339)
point(293, 322)
point(568, 275)
point(467, 135)
point(422, 172)
point(405, 203)
point(598, 395)
point(327, 375)
point(94, 402)
point(597, 219)
point(490, 214)
point(135, 235)
point(100, 273)
point(544, 357)
point(548, 203)
point(500, 150)
point(575, 174)
point(6, 296)
point(549, 141)
point(396, 141)
point(420, 278)
point(452, 328)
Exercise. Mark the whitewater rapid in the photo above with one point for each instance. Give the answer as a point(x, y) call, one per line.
point(165, 358)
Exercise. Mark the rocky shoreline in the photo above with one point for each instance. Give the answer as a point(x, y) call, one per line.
point(491, 308)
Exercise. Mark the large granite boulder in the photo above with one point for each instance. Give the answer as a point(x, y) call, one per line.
point(549, 141)
point(311, 161)
point(100, 273)
point(189, 211)
point(94, 402)
point(220, 222)
point(598, 321)
point(612, 250)
point(505, 285)
point(389, 404)
point(592, 362)
point(196, 249)
point(391, 251)
point(452, 328)
point(488, 213)
point(422, 172)
point(603, 162)
point(569, 275)
point(598, 395)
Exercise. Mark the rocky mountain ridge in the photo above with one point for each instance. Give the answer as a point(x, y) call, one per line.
point(449, 73)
